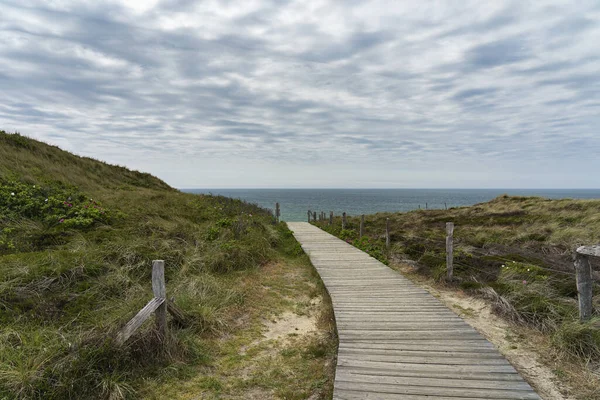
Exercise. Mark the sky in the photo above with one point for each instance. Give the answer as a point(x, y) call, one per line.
point(292, 94)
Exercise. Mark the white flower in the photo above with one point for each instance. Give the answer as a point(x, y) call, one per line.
point(527, 269)
point(514, 262)
point(46, 200)
point(12, 193)
point(503, 266)
point(34, 186)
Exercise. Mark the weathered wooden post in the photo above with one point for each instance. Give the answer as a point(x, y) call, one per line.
point(387, 233)
point(449, 249)
point(160, 292)
point(344, 220)
point(314, 216)
point(309, 213)
point(445, 206)
point(330, 218)
point(362, 226)
point(583, 270)
point(277, 212)
point(426, 206)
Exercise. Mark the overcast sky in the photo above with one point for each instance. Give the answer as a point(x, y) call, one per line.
point(256, 93)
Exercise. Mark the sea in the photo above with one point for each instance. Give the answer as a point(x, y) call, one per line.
point(295, 203)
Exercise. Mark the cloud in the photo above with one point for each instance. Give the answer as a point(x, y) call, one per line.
point(264, 92)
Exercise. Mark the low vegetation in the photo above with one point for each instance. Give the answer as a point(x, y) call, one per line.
point(77, 237)
point(514, 251)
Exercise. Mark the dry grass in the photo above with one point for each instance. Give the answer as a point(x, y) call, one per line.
point(514, 251)
point(67, 286)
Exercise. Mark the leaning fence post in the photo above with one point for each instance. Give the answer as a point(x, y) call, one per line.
point(277, 212)
point(309, 216)
point(344, 220)
point(330, 217)
point(362, 226)
point(449, 244)
point(314, 216)
point(387, 233)
point(583, 270)
point(160, 292)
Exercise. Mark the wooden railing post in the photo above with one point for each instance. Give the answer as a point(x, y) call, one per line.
point(387, 233)
point(449, 249)
point(330, 218)
point(362, 226)
point(309, 213)
point(314, 216)
point(344, 220)
point(583, 270)
point(160, 292)
point(277, 212)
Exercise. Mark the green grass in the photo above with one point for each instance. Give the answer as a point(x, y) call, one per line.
point(77, 239)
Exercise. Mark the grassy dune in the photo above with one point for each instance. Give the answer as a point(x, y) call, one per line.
point(77, 237)
point(514, 251)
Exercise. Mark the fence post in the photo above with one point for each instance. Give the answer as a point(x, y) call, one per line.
point(445, 206)
point(362, 225)
point(449, 244)
point(387, 233)
point(583, 270)
point(344, 220)
point(160, 292)
point(314, 216)
point(309, 216)
point(426, 206)
point(330, 217)
point(277, 212)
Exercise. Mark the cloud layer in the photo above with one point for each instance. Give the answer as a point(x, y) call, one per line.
point(312, 93)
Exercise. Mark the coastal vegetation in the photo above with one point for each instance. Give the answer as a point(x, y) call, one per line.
point(77, 237)
point(514, 252)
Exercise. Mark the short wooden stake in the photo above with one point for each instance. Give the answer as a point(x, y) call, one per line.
point(309, 213)
point(330, 218)
point(344, 220)
point(426, 206)
point(362, 226)
point(583, 271)
point(449, 249)
point(387, 233)
point(314, 216)
point(160, 292)
point(445, 206)
point(277, 212)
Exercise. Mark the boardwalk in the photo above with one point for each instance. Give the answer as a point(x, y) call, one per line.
point(397, 341)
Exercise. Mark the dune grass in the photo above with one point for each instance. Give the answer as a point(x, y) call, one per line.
point(514, 251)
point(77, 238)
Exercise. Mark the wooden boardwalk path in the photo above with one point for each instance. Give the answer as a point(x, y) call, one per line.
point(397, 341)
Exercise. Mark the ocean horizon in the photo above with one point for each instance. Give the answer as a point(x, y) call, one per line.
point(295, 203)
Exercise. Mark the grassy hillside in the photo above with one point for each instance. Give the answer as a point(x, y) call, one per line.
point(514, 251)
point(77, 237)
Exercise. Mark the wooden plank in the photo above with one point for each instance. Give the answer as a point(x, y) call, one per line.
point(397, 341)
point(138, 320)
point(435, 391)
point(160, 292)
point(365, 376)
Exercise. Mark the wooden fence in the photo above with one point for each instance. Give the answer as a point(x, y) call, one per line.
point(159, 305)
point(583, 266)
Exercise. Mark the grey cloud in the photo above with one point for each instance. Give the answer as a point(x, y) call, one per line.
point(498, 53)
point(285, 87)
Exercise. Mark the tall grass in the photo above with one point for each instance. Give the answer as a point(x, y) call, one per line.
point(72, 277)
point(515, 251)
